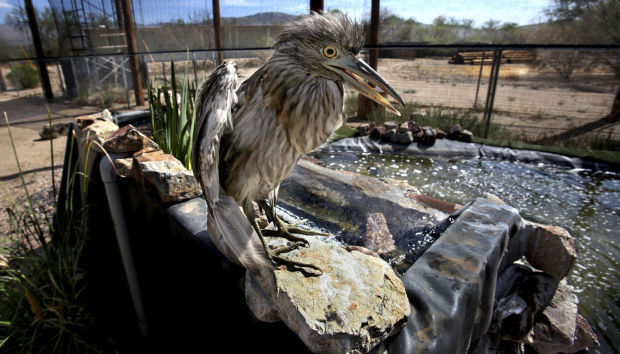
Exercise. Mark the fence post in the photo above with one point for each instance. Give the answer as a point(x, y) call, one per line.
point(479, 78)
point(61, 78)
point(316, 6)
point(132, 48)
point(2, 84)
point(488, 109)
point(36, 40)
point(365, 105)
point(217, 27)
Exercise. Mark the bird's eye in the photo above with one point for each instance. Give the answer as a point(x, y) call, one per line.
point(329, 52)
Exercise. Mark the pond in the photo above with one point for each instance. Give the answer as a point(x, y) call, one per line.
point(586, 204)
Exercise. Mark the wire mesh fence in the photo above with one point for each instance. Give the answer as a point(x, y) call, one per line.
point(540, 93)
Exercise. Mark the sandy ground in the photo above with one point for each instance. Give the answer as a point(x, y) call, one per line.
point(528, 100)
point(27, 115)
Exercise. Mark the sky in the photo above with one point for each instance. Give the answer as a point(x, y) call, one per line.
point(522, 12)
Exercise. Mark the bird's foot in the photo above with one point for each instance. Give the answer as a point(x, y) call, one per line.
point(287, 231)
point(278, 260)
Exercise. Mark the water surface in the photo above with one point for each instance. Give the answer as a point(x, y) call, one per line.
point(586, 204)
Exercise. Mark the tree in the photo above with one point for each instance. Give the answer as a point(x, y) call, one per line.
point(590, 21)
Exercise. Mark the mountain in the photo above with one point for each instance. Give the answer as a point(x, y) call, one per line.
point(260, 19)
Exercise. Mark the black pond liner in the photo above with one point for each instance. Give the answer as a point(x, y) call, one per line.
point(194, 297)
point(444, 148)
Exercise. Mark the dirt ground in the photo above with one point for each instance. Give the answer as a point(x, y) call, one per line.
point(528, 100)
point(27, 115)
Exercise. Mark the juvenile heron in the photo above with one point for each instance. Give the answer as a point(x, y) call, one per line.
point(246, 142)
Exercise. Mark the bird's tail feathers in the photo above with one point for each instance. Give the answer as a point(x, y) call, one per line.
point(231, 230)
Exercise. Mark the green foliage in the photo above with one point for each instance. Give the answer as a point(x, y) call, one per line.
point(42, 285)
point(25, 75)
point(350, 104)
point(173, 118)
point(342, 132)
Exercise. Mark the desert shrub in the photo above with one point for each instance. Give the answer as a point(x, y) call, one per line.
point(25, 75)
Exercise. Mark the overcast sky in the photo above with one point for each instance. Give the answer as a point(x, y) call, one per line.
point(522, 12)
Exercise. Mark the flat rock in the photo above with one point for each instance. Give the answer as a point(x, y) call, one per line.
point(167, 175)
point(365, 128)
point(378, 133)
point(99, 131)
point(391, 124)
point(466, 136)
point(551, 249)
point(128, 139)
point(378, 237)
point(585, 338)
point(56, 130)
point(354, 305)
point(558, 321)
point(454, 132)
point(405, 138)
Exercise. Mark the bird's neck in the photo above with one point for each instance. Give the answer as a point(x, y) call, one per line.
point(308, 106)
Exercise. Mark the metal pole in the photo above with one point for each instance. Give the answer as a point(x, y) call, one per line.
point(217, 27)
point(75, 81)
point(479, 78)
point(316, 6)
point(132, 47)
point(364, 105)
point(36, 41)
point(61, 78)
point(491, 92)
point(123, 71)
point(2, 83)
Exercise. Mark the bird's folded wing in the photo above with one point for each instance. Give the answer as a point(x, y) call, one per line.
point(213, 118)
point(228, 227)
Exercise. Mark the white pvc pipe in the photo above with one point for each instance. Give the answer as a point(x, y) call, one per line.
point(109, 179)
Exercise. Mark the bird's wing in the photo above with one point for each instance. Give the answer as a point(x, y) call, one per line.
point(228, 227)
point(214, 104)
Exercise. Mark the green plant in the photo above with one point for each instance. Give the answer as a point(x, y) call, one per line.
point(42, 285)
point(173, 116)
point(25, 75)
point(410, 91)
point(350, 104)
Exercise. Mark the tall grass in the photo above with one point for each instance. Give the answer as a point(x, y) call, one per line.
point(42, 283)
point(173, 121)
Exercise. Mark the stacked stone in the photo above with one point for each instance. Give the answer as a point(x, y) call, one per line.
point(534, 305)
point(410, 132)
point(158, 172)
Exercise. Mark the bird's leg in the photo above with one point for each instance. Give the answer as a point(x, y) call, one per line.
point(284, 229)
point(274, 254)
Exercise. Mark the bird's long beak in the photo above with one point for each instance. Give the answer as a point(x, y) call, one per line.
point(355, 71)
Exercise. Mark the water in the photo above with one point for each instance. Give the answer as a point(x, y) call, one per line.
point(586, 204)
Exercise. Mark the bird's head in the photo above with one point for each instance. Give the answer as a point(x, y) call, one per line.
point(329, 45)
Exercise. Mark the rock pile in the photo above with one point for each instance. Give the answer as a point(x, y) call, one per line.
point(534, 305)
point(410, 132)
point(154, 170)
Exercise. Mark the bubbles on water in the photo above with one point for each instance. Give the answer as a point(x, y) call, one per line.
point(586, 204)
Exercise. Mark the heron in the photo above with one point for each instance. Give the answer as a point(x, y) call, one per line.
point(247, 140)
